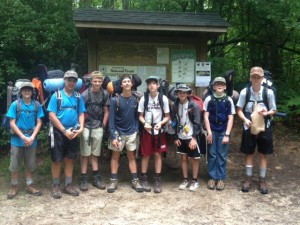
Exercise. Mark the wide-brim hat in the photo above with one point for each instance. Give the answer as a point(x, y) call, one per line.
point(26, 85)
point(183, 88)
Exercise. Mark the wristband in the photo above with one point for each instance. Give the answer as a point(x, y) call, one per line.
point(64, 131)
point(227, 135)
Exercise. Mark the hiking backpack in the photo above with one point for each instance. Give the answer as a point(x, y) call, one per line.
point(267, 84)
point(6, 120)
point(201, 138)
point(13, 94)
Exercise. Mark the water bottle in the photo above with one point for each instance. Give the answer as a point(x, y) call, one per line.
point(76, 127)
point(119, 139)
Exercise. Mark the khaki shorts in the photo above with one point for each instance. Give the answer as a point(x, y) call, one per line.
point(18, 155)
point(128, 141)
point(95, 143)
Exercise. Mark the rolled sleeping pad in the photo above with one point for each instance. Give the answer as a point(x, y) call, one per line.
point(58, 83)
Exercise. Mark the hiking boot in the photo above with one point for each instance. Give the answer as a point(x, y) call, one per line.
point(194, 186)
point(113, 186)
point(220, 185)
point(145, 184)
point(97, 182)
point(211, 184)
point(263, 185)
point(157, 185)
point(70, 190)
point(136, 185)
point(56, 191)
point(184, 185)
point(32, 190)
point(247, 184)
point(12, 192)
point(83, 183)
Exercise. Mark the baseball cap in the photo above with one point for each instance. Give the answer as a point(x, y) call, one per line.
point(257, 71)
point(71, 73)
point(219, 79)
point(26, 85)
point(152, 78)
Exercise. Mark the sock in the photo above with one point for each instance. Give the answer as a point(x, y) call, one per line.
point(95, 172)
point(158, 174)
point(143, 174)
point(194, 179)
point(55, 181)
point(249, 169)
point(14, 182)
point(29, 181)
point(114, 176)
point(68, 180)
point(134, 176)
point(262, 172)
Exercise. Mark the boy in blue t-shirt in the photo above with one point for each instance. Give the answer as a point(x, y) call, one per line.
point(66, 111)
point(25, 121)
point(219, 111)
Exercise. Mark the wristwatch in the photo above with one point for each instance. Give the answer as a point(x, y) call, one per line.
point(227, 135)
point(64, 131)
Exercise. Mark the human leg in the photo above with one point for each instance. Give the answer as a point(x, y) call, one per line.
point(114, 166)
point(16, 156)
point(68, 171)
point(83, 178)
point(262, 174)
point(195, 168)
point(249, 172)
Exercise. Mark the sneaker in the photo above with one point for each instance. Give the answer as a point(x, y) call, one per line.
point(56, 191)
point(70, 190)
point(32, 190)
point(184, 185)
point(220, 185)
point(113, 186)
point(194, 186)
point(136, 185)
point(211, 184)
point(157, 185)
point(263, 186)
point(97, 182)
point(12, 192)
point(145, 184)
point(83, 183)
point(247, 184)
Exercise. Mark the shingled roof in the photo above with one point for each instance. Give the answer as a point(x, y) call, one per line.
point(142, 20)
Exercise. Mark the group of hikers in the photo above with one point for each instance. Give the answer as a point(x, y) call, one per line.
point(78, 121)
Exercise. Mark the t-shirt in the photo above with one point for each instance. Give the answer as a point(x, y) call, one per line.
point(26, 120)
point(95, 111)
point(154, 112)
point(123, 117)
point(68, 113)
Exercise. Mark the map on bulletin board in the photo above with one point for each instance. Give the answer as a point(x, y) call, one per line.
point(183, 66)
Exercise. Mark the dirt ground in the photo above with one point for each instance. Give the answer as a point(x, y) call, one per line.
point(173, 206)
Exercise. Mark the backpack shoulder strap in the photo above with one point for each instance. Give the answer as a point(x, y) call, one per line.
point(19, 108)
point(117, 101)
point(146, 98)
point(59, 99)
point(247, 97)
point(265, 97)
point(161, 101)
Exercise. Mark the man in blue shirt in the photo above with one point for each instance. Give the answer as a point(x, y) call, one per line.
point(123, 125)
point(66, 111)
